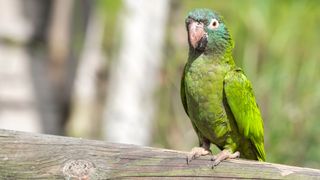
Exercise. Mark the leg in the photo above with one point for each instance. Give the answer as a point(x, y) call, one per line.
point(223, 155)
point(196, 152)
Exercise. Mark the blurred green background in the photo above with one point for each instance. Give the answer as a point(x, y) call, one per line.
point(276, 43)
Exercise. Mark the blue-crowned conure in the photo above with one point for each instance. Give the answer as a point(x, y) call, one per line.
point(216, 94)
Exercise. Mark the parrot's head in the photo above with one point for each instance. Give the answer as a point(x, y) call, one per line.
point(207, 32)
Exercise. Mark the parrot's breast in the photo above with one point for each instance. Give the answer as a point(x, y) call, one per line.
point(204, 95)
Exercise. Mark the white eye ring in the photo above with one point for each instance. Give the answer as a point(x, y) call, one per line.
point(214, 24)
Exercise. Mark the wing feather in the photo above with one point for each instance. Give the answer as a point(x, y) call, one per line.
point(183, 93)
point(243, 105)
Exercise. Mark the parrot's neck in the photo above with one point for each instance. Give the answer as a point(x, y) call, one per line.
point(225, 58)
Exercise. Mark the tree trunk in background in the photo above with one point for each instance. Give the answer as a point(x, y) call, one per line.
point(85, 115)
point(39, 41)
point(59, 49)
point(130, 99)
point(18, 109)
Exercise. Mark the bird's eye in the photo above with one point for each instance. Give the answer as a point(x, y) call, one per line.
point(214, 24)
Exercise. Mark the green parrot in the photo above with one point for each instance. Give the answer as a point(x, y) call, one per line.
point(216, 94)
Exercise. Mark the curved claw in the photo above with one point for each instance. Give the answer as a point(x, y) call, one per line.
point(223, 155)
point(196, 152)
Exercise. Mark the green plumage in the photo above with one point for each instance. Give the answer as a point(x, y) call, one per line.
point(216, 94)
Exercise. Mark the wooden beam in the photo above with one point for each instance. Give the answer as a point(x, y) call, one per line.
point(36, 156)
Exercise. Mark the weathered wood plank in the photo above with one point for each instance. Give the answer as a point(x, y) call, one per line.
point(36, 156)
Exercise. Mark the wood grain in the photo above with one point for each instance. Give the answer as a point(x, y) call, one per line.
point(36, 156)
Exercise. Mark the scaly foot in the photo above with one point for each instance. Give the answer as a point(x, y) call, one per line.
point(196, 152)
point(223, 155)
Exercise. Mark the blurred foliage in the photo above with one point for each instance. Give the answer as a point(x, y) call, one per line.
point(276, 43)
point(110, 9)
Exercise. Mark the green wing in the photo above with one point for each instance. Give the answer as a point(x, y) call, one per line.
point(243, 105)
point(182, 93)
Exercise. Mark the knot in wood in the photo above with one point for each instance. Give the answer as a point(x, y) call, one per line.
point(81, 169)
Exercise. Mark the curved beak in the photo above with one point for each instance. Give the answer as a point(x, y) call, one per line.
point(196, 35)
